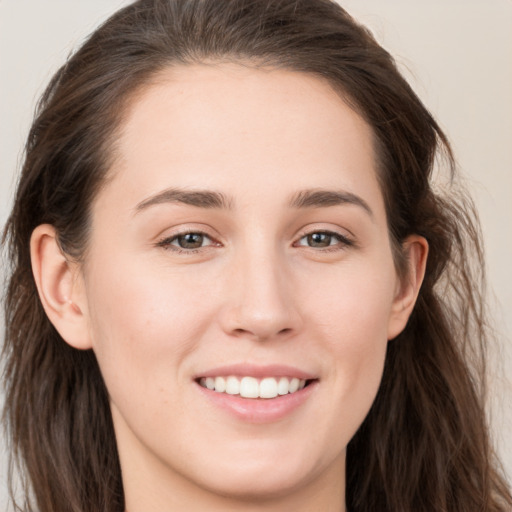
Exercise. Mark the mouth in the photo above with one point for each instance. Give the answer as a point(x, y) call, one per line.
point(257, 394)
point(252, 387)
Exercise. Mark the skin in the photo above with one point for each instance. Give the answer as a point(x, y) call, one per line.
point(255, 292)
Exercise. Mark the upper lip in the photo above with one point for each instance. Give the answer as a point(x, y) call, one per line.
point(257, 371)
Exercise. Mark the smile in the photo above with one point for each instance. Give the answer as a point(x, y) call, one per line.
point(251, 387)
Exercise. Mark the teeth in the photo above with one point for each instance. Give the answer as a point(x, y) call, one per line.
point(220, 384)
point(294, 385)
point(283, 386)
point(250, 387)
point(232, 386)
point(268, 388)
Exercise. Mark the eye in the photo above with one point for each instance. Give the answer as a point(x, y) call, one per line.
point(190, 240)
point(187, 242)
point(323, 240)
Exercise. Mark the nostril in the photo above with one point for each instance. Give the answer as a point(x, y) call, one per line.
point(261, 333)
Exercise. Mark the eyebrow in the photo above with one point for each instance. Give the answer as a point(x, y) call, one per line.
point(209, 199)
point(201, 198)
point(318, 198)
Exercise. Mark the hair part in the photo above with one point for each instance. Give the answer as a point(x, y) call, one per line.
point(424, 445)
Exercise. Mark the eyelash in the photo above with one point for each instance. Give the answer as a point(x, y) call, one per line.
point(167, 243)
point(343, 242)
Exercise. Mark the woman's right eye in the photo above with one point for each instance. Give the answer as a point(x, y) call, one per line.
point(186, 242)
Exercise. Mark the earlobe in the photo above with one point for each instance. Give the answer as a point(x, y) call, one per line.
point(415, 249)
point(58, 285)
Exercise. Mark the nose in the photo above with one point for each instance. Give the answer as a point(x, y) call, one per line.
point(261, 302)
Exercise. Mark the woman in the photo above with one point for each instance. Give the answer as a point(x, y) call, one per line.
point(233, 286)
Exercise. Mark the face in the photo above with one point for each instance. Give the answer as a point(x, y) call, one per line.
point(240, 251)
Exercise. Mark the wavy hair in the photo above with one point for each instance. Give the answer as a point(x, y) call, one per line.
point(424, 445)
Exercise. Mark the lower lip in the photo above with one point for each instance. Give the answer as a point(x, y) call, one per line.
point(259, 410)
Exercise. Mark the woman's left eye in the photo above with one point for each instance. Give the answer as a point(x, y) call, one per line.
point(323, 240)
point(187, 241)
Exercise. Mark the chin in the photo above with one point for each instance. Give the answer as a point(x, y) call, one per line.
point(246, 484)
point(258, 479)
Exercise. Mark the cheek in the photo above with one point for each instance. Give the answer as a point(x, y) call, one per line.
point(353, 303)
point(142, 323)
point(352, 313)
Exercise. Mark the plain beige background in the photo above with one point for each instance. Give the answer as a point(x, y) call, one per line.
point(456, 53)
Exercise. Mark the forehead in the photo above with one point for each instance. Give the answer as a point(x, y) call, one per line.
point(213, 125)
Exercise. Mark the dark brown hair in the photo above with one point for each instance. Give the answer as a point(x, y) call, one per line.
point(424, 445)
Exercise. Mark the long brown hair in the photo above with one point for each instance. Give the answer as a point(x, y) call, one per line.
point(424, 445)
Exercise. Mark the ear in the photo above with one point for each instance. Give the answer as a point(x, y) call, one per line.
point(415, 249)
point(60, 286)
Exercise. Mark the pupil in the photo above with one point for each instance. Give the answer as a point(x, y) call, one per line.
point(319, 240)
point(191, 241)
